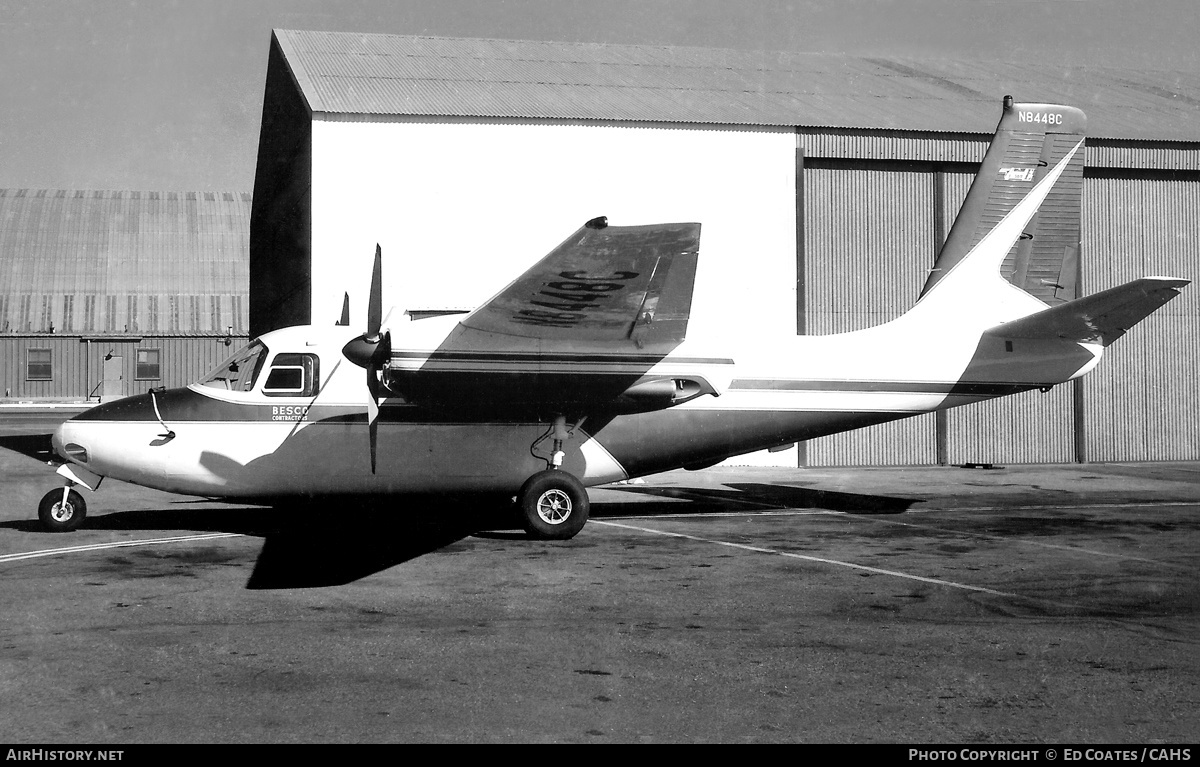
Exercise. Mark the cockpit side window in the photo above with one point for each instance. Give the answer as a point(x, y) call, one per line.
point(293, 375)
point(239, 372)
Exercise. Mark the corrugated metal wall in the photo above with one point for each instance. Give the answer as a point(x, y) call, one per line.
point(868, 245)
point(869, 232)
point(75, 262)
point(78, 365)
point(363, 75)
point(1143, 402)
point(1031, 427)
point(909, 442)
point(1026, 428)
point(67, 361)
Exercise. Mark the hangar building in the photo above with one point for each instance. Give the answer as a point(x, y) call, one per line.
point(111, 293)
point(825, 185)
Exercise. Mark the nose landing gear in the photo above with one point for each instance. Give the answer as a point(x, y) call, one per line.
point(62, 510)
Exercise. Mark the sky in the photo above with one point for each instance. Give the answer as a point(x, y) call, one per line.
point(167, 94)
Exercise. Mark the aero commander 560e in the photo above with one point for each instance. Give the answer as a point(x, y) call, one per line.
point(581, 371)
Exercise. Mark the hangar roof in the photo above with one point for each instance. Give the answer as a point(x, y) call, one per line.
point(393, 75)
point(157, 263)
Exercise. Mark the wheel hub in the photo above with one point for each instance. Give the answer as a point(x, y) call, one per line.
point(554, 507)
point(62, 512)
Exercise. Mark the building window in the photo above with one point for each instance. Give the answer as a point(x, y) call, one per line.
point(40, 367)
point(148, 368)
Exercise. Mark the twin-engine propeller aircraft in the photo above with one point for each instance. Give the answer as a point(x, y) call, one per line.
point(581, 371)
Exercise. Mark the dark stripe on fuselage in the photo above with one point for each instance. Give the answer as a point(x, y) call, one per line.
point(985, 389)
point(184, 404)
point(551, 359)
point(648, 443)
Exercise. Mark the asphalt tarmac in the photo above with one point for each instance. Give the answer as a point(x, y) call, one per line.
point(1024, 604)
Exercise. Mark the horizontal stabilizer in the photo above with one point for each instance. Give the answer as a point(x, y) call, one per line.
point(1100, 318)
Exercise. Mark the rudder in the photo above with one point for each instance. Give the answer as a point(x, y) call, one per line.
point(1031, 141)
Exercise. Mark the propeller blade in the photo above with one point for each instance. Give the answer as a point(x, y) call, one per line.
point(372, 350)
point(375, 302)
point(373, 414)
point(375, 390)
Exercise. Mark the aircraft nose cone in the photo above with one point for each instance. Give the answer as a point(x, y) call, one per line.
point(58, 440)
point(68, 443)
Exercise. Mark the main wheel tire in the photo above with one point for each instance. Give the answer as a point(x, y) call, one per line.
point(554, 505)
point(58, 517)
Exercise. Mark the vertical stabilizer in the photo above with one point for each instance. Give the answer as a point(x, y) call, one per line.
point(1022, 213)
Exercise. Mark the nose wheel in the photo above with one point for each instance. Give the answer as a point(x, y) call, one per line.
point(554, 505)
point(62, 510)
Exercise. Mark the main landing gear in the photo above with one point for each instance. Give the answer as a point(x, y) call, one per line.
point(62, 510)
point(554, 504)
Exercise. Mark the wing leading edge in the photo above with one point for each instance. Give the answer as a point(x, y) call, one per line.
point(602, 284)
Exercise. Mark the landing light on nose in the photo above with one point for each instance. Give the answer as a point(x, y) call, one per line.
point(66, 445)
point(57, 441)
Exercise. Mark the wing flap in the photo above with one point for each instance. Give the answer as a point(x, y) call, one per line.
point(603, 283)
point(1099, 318)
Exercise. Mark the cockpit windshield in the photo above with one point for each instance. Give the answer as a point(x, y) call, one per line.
point(239, 372)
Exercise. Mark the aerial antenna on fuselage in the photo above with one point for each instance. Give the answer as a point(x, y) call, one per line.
point(345, 320)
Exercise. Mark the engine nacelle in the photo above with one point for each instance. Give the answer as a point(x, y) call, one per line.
point(661, 393)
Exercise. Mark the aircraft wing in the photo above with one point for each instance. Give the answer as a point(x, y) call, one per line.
point(588, 329)
point(1099, 318)
point(604, 283)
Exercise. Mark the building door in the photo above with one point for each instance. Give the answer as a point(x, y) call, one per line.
point(113, 386)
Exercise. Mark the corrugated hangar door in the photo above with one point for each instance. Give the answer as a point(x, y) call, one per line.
point(1031, 427)
point(1142, 402)
point(868, 245)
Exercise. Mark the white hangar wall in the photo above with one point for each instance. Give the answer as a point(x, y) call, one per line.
point(461, 208)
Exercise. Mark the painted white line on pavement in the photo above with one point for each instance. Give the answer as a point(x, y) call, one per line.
point(807, 558)
point(777, 510)
point(114, 545)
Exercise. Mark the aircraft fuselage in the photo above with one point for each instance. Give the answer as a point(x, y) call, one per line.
point(220, 442)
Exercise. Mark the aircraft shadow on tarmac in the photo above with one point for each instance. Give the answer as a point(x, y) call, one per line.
point(341, 541)
point(330, 542)
point(334, 541)
point(744, 496)
point(314, 552)
point(33, 445)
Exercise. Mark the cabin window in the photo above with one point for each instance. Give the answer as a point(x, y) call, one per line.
point(239, 372)
point(148, 367)
point(292, 375)
point(40, 367)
